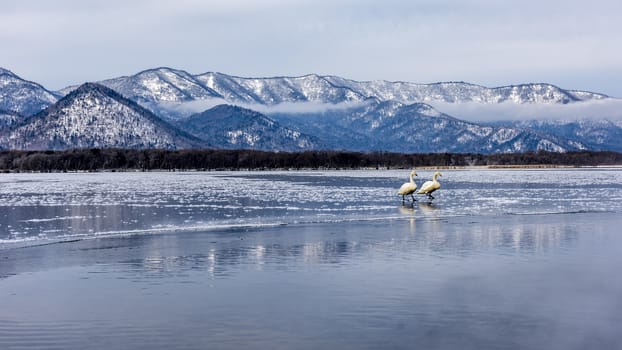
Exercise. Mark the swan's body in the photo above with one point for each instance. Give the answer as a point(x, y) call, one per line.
point(430, 186)
point(408, 188)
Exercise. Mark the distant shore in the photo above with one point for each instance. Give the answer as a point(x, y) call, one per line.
point(95, 159)
point(520, 166)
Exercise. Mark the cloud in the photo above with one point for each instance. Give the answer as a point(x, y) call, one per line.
point(304, 107)
point(197, 106)
point(191, 107)
point(610, 109)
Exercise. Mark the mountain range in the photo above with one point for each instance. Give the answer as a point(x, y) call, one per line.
point(169, 108)
point(415, 128)
point(94, 116)
point(165, 87)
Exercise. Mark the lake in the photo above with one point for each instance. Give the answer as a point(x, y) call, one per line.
point(501, 259)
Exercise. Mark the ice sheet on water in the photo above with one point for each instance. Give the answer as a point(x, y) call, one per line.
point(40, 207)
point(54, 219)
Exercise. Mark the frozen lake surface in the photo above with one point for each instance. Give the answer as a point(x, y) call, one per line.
point(44, 208)
point(319, 259)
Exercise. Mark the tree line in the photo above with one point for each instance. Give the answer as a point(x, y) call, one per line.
point(156, 159)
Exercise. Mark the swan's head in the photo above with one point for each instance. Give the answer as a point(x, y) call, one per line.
point(413, 173)
point(437, 174)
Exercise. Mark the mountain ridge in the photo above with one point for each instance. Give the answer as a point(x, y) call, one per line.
point(338, 113)
point(234, 127)
point(415, 128)
point(23, 96)
point(358, 90)
point(95, 116)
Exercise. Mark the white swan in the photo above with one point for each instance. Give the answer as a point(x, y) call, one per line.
point(408, 188)
point(430, 186)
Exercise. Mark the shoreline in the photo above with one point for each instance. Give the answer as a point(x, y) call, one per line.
point(217, 160)
point(302, 169)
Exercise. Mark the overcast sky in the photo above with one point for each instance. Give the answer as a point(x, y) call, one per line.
point(569, 43)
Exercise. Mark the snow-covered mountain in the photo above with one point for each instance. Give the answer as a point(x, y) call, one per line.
point(593, 134)
point(160, 90)
point(272, 91)
point(398, 127)
point(234, 127)
point(22, 96)
point(333, 89)
point(164, 90)
point(299, 113)
point(95, 116)
point(8, 118)
point(461, 92)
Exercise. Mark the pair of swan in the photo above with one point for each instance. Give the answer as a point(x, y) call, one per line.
point(427, 188)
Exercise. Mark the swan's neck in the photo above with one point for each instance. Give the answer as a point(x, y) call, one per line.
point(412, 180)
point(434, 177)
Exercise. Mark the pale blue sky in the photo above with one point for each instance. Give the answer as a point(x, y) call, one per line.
point(572, 44)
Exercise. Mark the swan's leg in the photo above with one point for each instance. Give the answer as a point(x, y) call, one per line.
point(413, 197)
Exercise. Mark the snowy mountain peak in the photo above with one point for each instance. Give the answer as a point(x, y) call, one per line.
point(95, 88)
point(236, 127)
point(95, 116)
point(461, 92)
point(161, 85)
point(276, 90)
point(22, 96)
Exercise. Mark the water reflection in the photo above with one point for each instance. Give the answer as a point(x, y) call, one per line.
point(430, 209)
point(410, 279)
point(220, 254)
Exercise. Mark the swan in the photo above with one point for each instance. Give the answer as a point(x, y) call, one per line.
point(430, 186)
point(408, 188)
